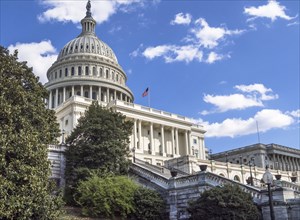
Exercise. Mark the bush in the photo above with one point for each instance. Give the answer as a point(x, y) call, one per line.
point(106, 197)
point(227, 202)
point(148, 205)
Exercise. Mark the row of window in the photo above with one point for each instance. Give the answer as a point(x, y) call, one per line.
point(80, 48)
point(71, 72)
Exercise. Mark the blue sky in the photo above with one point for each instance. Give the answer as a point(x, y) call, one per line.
point(229, 65)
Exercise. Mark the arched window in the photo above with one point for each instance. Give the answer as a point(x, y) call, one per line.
point(221, 174)
point(94, 71)
point(55, 75)
point(66, 71)
point(117, 77)
point(79, 70)
point(60, 73)
point(101, 72)
point(72, 71)
point(78, 93)
point(106, 74)
point(87, 70)
point(113, 76)
point(86, 94)
point(237, 178)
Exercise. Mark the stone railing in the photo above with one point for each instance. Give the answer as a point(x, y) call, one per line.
point(150, 176)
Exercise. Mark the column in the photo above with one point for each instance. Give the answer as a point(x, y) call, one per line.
point(140, 134)
point(107, 95)
point(202, 151)
point(81, 91)
point(72, 90)
point(56, 98)
point(176, 141)
point(99, 94)
point(64, 94)
point(151, 139)
point(50, 100)
point(172, 138)
point(135, 134)
point(115, 95)
point(190, 145)
point(162, 132)
point(186, 142)
point(91, 92)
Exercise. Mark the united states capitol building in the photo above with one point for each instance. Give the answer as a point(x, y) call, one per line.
point(87, 70)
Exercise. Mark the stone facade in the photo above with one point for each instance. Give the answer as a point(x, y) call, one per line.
point(276, 156)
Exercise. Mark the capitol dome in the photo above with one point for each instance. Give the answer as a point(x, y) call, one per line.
point(87, 67)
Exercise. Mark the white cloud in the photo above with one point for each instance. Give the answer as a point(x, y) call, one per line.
point(74, 11)
point(254, 97)
point(265, 93)
point(295, 113)
point(210, 37)
point(173, 53)
point(213, 57)
point(272, 10)
point(225, 103)
point(181, 18)
point(40, 56)
point(267, 119)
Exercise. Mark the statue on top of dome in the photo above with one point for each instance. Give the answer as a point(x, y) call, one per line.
point(88, 9)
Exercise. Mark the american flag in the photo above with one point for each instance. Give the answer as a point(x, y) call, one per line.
point(146, 92)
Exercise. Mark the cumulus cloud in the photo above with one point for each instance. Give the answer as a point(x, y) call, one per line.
point(198, 43)
point(213, 57)
point(181, 18)
point(271, 10)
point(210, 37)
point(260, 89)
point(74, 11)
point(253, 96)
point(267, 119)
point(40, 56)
point(173, 53)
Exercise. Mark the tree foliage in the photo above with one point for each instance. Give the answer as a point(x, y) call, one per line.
point(106, 196)
point(227, 202)
point(99, 144)
point(149, 205)
point(26, 129)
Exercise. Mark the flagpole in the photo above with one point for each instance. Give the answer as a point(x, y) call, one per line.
point(149, 97)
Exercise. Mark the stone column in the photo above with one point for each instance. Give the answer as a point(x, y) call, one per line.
point(107, 95)
point(176, 141)
point(162, 132)
point(135, 134)
point(115, 95)
point(73, 91)
point(172, 138)
point(64, 94)
point(140, 134)
point(56, 98)
point(99, 94)
point(50, 100)
point(190, 145)
point(91, 92)
point(151, 139)
point(81, 91)
point(186, 142)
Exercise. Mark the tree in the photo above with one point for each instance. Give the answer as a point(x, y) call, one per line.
point(99, 144)
point(149, 205)
point(106, 196)
point(26, 129)
point(226, 202)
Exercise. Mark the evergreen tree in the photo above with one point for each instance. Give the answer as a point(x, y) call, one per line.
point(99, 144)
point(222, 203)
point(26, 129)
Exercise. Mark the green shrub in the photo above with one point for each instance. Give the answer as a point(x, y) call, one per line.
point(106, 196)
point(148, 205)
